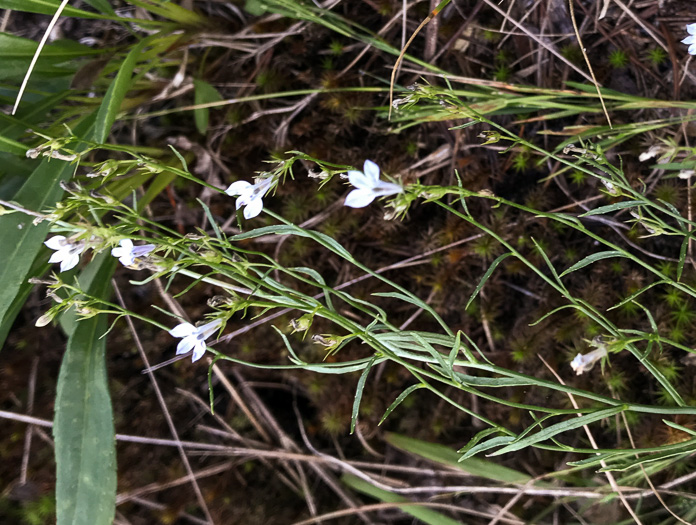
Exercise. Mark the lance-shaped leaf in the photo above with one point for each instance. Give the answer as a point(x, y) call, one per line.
point(83, 427)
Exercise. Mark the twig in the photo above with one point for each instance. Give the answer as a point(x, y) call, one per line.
point(590, 437)
point(30, 428)
point(587, 61)
point(165, 410)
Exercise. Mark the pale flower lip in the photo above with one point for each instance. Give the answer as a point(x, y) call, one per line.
point(67, 253)
point(369, 186)
point(250, 195)
point(193, 337)
point(584, 363)
point(127, 253)
point(691, 39)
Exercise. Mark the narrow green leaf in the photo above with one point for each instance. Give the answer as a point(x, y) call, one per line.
point(493, 382)
point(636, 294)
point(631, 461)
point(203, 94)
point(455, 350)
point(83, 427)
point(478, 437)
point(431, 350)
point(359, 393)
point(684, 429)
point(590, 259)
point(171, 11)
point(102, 5)
point(682, 256)
point(400, 398)
point(288, 229)
point(563, 426)
point(486, 445)
point(485, 277)
point(602, 210)
point(106, 116)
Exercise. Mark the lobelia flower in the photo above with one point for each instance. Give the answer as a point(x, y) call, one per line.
point(691, 39)
point(369, 186)
point(250, 195)
point(584, 363)
point(193, 337)
point(67, 253)
point(127, 253)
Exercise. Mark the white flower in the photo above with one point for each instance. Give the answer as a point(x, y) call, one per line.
point(193, 337)
point(127, 253)
point(584, 363)
point(250, 195)
point(368, 185)
point(67, 253)
point(691, 40)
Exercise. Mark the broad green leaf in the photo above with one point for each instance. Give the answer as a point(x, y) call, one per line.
point(424, 514)
point(12, 146)
point(590, 259)
point(83, 427)
point(47, 7)
point(203, 94)
point(563, 426)
point(17, 47)
point(38, 267)
point(446, 456)
point(85, 281)
point(20, 238)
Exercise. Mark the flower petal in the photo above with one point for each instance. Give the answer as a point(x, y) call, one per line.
point(58, 256)
point(691, 29)
point(359, 198)
point(253, 208)
point(142, 251)
point(386, 188)
point(198, 351)
point(182, 330)
point(126, 259)
point(127, 244)
point(69, 261)
point(238, 188)
point(371, 171)
point(208, 329)
point(360, 180)
point(185, 345)
point(56, 242)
